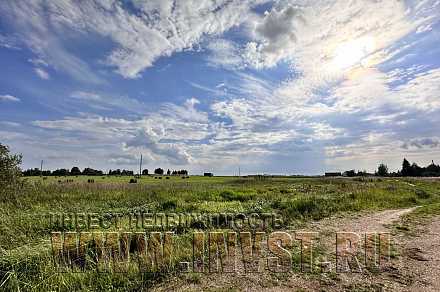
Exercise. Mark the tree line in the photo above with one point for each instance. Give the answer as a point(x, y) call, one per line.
point(408, 169)
point(75, 171)
point(415, 170)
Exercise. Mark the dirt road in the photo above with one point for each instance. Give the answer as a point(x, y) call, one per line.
point(416, 267)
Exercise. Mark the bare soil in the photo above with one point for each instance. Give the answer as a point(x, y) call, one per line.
point(415, 266)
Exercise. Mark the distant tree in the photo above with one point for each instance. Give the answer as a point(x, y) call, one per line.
point(350, 173)
point(416, 170)
point(47, 172)
point(362, 173)
point(91, 171)
point(168, 172)
point(60, 172)
point(114, 172)
point(382, 170)
point(75, 171)
point(10, 172)
point(406, 168)
point(180, 172)
point(432, 170)
point(32, 172)
point(158, 171)
point(145, 172)
point(127, 172)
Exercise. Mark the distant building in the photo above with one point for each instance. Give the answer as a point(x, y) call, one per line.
point(208, 174)
point(333, 174)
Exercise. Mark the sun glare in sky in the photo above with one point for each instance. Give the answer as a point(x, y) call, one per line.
point(353, 53)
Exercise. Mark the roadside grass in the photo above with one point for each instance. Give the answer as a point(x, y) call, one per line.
point(412, 223)
point(26, 264)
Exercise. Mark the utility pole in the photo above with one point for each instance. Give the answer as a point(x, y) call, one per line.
point(41, 169)
point(140, 167)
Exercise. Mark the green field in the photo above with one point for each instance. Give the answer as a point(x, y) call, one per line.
point(26, 264)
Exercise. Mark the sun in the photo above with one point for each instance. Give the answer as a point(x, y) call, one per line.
point(353, 53)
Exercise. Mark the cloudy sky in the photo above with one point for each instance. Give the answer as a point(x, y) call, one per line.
point(210, 85)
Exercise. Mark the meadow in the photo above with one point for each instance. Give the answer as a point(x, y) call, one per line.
point(25, 250)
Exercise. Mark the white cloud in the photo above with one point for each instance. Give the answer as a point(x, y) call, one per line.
point(108, 102)
point(217, 91)
point(123, 159)
point(275, 36)
point(164, 135)
point(88, 96)
point(157, 28)
point(310, 33)
point(318, 37)
point(421, 92)
point(9, 42)
point(9, 124)
point(371, 90)
point(149, 141)
point(38, 62)
point(10, 136)
point(31, 20)
point(42, 73)
point(422, 143)
point(225, 53)
point(8, 97)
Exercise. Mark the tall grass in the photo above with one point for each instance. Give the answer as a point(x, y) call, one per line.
point(26, 264)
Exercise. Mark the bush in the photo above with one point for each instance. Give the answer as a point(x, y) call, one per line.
point(229, 195)
point(169, 205)
point(133, 181)
point(422, 194)
point(10, 172)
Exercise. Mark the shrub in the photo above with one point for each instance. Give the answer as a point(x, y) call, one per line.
point(193, 278)
point(169, 205)
point(422, 194)
point(133, 181)
point(10, 172)
point(232, 196)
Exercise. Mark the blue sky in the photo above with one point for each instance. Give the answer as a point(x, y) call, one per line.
point(270, 86)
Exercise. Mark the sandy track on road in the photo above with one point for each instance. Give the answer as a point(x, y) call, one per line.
point(366, 222)
point(416, 269)
point(422, 257)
